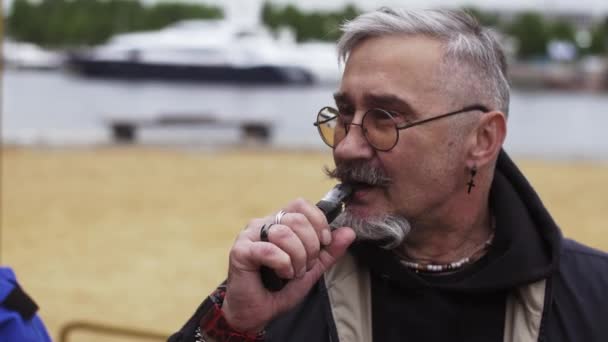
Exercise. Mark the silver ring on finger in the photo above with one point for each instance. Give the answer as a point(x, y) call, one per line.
point(279, 216)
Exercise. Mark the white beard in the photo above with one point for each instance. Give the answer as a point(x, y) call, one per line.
point(388, 230)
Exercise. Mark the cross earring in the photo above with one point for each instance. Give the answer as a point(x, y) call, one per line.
point(471, 182)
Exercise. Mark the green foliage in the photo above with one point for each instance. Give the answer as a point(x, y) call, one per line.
point(530, 30)
point(561, 30)
point(307, 26)
point(485, 18)
point(165, 13)
point(78, 22)
point(599, 46)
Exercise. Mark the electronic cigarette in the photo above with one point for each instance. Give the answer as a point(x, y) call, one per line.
point(331, 205)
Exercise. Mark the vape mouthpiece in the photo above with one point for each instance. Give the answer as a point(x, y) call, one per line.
point(338, 194)
point(331, 203)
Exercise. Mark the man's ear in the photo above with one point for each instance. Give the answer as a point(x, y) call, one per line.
point(487, 138)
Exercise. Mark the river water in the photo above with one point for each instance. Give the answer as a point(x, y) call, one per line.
point(58, 108)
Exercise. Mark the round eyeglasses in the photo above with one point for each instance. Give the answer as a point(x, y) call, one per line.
point(380, 127)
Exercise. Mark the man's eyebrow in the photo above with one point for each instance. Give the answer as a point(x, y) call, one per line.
point(383, 101)
point(341, 97)
point(390, 101)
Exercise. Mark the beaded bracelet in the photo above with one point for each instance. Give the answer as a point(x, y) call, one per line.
point(214, 324)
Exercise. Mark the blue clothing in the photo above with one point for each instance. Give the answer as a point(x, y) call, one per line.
point(18, 319)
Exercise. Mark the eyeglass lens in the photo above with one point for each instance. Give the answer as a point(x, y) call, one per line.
point(378, 126)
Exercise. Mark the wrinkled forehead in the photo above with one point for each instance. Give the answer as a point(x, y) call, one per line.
point(407, 67)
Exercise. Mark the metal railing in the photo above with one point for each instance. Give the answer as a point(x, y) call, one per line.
point(105, 329)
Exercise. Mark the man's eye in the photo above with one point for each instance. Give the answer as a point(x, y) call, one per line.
point(399, 119)
point(380, 115)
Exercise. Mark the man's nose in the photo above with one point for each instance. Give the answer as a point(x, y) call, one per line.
point(354, 145)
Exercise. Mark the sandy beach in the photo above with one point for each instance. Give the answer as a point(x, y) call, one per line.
point(136, 237)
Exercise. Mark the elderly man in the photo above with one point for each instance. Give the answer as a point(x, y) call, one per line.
point(452, 243)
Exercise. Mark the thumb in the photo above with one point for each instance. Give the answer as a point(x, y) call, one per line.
point(341, 239)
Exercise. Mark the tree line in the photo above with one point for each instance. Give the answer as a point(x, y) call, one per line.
point(533, 32)
point(314, 25)
point(61, 23)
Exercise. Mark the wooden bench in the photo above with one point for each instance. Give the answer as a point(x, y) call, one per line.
point(124, 130)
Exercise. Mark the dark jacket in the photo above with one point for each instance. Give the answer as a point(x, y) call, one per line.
point(559, 288)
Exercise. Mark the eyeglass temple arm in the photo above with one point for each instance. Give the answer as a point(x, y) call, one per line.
point(463, 110)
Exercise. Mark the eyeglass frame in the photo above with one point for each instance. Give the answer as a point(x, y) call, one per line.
point(476, 107)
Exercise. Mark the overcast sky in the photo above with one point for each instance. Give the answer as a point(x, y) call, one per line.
point(596, 7)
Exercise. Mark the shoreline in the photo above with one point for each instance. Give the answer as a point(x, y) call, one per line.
point(529, 157)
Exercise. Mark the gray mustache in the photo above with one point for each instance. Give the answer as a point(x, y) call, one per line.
point(358, 172)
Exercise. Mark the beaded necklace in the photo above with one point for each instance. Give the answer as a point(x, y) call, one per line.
point(437, 268)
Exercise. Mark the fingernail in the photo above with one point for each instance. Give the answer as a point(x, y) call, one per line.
point(325, 237)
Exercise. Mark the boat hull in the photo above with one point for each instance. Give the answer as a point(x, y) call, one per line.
point(171, 72)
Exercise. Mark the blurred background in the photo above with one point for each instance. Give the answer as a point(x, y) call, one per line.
point(139, 137)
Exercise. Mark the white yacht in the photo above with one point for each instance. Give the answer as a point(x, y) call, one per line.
point(208, 50)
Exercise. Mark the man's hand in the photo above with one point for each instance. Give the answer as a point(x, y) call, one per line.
point(300, 249)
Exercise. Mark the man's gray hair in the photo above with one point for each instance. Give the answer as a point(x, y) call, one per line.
point(473, 64)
